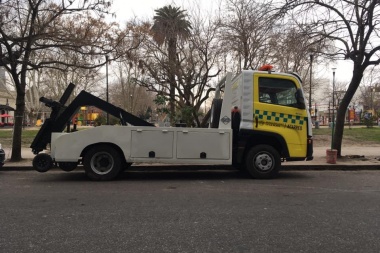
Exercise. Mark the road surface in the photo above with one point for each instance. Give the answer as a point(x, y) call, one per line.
point(202, 211)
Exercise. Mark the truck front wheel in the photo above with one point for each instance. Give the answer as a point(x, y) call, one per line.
point(102, 162)
point(262, 162)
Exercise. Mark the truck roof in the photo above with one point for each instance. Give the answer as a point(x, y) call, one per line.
point(251, 71)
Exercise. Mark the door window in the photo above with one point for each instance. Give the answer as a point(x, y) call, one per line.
point(277, 91)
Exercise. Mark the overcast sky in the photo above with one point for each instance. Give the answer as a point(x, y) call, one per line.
point(144, 9)
point(126, 9)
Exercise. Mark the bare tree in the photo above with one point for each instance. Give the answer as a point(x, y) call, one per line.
point(29, 27)
point(246, 28)
point(370, 89)
point(127, 93)
point(353, 27)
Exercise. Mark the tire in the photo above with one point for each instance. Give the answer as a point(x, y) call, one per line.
point(263, 162)
point(102, 162)
point(67, 166)
point(42, 162)
point(216, 109)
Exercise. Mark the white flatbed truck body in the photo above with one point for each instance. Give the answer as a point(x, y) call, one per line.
point(149, 144)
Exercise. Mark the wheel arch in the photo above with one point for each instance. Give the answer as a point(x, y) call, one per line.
point(116, 147)
point(251, 138)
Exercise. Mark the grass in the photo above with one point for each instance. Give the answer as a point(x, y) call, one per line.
point(6, 136)
point(356, 133)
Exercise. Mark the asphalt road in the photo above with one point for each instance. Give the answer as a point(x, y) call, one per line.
point(204, 211)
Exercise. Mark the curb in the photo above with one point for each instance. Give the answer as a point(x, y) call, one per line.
point(166, 167)
point(336, 167)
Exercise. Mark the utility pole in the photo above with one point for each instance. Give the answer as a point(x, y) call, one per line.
point(108, 116)
point(311, 77)
point(333, 109)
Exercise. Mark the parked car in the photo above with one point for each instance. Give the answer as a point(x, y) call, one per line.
point(2, 124)
point(2, 156)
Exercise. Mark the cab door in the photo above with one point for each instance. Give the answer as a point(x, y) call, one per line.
point(276, 110)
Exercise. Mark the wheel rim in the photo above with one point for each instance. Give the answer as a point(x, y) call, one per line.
point(42, 163)
point(264, 161)
point(102, 163)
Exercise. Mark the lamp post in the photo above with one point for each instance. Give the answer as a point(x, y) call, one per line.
point(131, 97)
point(108, 116)
point(311, 75)
point(333, 109)
point(372, 93)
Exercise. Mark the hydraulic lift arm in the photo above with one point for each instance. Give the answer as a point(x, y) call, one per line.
point(61, 115)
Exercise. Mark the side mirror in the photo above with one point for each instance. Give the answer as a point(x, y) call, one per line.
point(300, 99)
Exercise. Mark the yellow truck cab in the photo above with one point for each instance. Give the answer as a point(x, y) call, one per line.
point(274, 124)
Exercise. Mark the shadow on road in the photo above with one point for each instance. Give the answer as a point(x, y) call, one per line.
point(162, 173)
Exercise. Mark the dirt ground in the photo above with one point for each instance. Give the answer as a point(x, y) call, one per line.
point(325, 141)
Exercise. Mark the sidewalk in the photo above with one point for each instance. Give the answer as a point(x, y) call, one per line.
point(354, 158)
point(26, 163)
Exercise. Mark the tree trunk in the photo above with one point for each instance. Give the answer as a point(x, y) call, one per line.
point(17, 128)
point(341, 114)
point(172, 65)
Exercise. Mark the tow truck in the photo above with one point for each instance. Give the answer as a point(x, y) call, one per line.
point(258, 120)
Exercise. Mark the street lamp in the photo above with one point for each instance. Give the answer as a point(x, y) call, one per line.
point(311, 77)
point(333, 109)
point(108, 116)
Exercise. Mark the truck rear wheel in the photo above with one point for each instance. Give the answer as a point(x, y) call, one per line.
point(102, 162)
point(263, 162)
point(67, 166)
